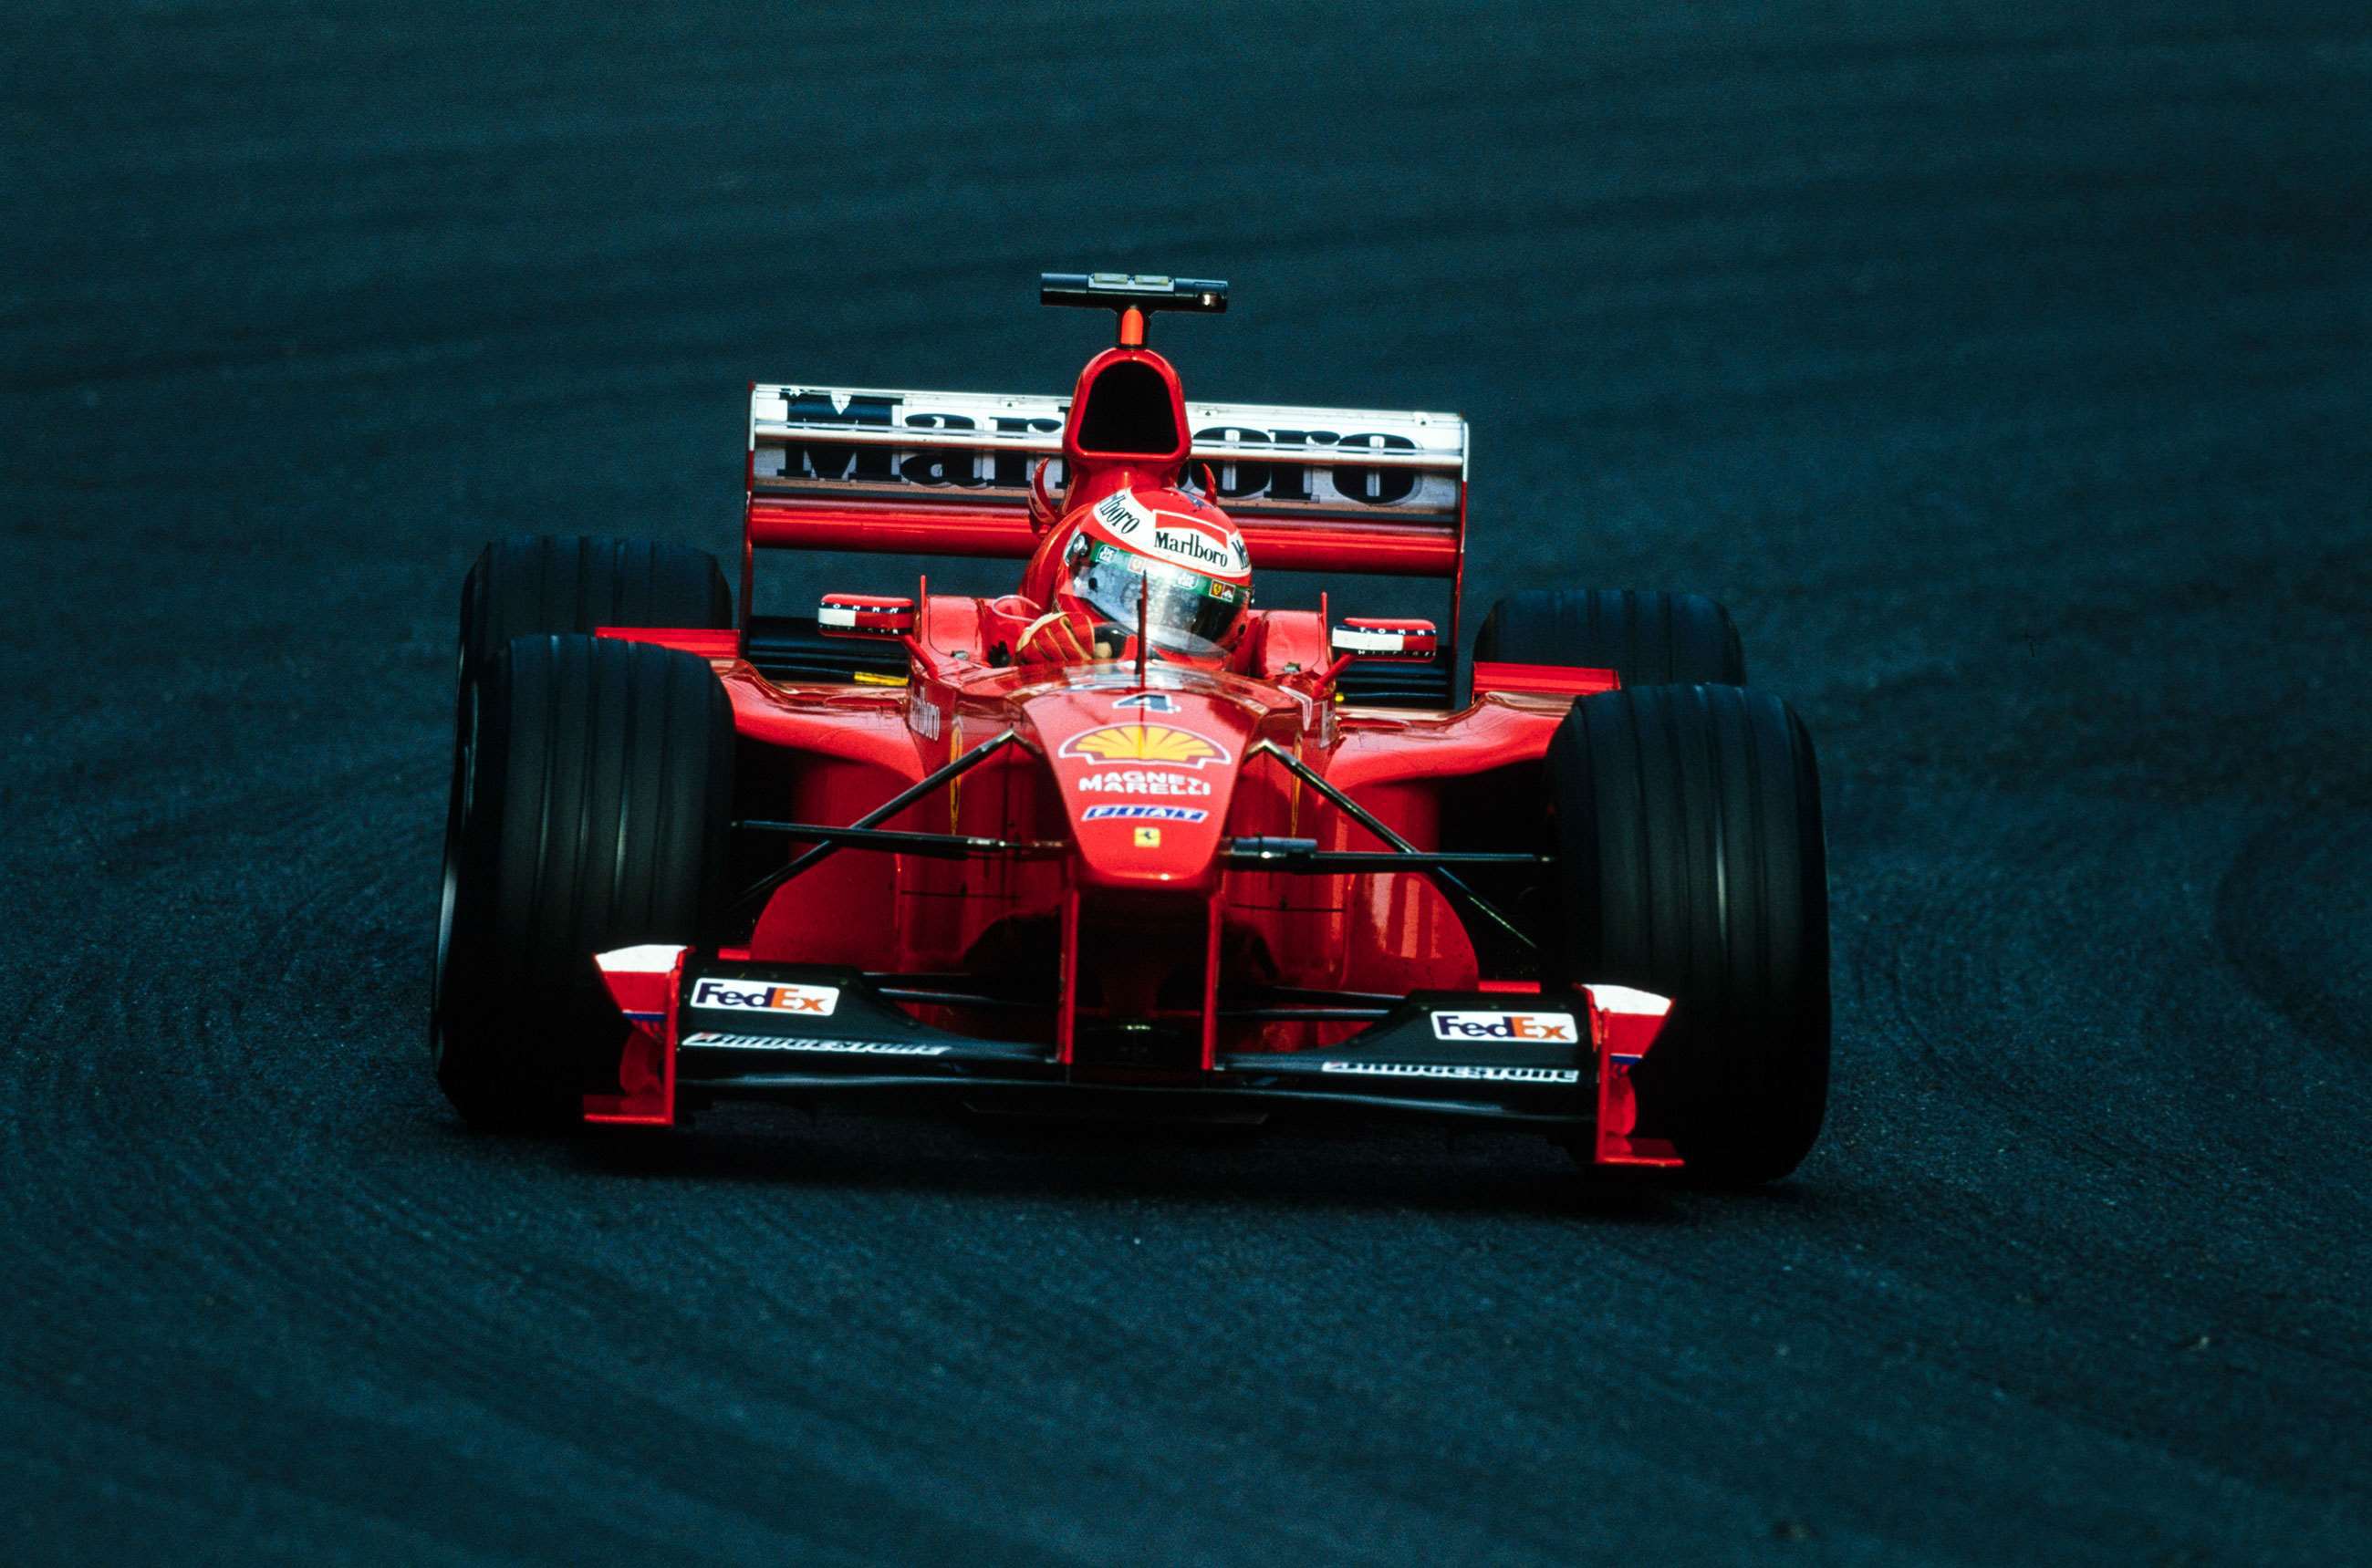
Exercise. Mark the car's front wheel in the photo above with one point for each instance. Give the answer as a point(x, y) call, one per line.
point(1690, 863)
point(591, 798)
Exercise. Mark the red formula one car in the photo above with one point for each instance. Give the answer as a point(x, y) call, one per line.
point(1125, 841)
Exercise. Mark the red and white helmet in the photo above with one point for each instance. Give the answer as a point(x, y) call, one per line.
point(1171, 556)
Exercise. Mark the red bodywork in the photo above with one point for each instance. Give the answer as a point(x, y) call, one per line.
point(1122, 912)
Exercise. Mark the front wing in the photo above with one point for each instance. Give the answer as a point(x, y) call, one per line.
point(703, 1028)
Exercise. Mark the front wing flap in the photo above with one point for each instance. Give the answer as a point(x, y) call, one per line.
point(703, 1028)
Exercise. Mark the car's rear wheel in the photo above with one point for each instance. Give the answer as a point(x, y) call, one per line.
point(520, 586)
point(592, 792)
point(1650, 639)
point(1691, 864)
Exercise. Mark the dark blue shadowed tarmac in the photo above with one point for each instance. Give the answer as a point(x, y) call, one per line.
point(2009, 375)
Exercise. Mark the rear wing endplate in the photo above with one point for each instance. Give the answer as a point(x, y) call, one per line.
point(948, 473)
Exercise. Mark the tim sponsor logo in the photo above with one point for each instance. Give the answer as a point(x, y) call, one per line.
point(762, 997)
point(1539, 1027)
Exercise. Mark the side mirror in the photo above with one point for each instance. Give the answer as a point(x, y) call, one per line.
point(865, 615)
point(1416, 641)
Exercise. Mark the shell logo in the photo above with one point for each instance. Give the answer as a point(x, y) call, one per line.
point(1161, 743)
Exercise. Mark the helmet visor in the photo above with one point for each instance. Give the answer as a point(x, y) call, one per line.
point(1185, 612)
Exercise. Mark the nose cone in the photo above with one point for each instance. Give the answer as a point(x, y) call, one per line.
point(1145, 778)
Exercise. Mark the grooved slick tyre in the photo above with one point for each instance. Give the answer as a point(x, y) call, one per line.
point(1690, 863)
point(1650, 639)
point(592, 791)
point(519, 586)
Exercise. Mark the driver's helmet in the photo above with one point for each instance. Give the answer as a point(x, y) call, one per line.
point(1173, 556)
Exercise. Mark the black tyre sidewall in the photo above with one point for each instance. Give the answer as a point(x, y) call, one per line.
point(521, 586)
point(593, 816)
point(1648, 639)
point(1691, 864)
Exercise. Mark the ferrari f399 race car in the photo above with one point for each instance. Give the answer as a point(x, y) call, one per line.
point(1123, 844)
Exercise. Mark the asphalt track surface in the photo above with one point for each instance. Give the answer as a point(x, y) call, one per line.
point(2007, 373)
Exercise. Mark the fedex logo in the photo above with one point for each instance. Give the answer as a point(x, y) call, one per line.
point(761, 996)
point(1547, 1028)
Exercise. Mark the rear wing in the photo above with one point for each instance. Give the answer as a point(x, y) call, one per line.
point(948, 473)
